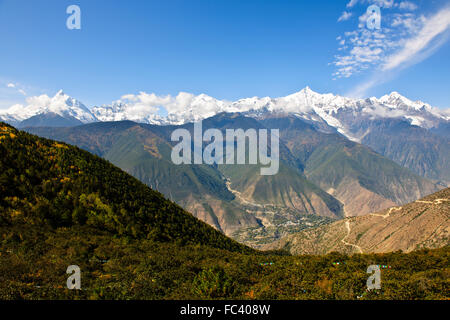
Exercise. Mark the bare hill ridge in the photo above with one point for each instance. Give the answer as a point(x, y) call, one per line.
point(424, 223)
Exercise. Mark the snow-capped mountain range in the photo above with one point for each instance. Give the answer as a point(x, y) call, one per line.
point(328, 109)
point(61, 104)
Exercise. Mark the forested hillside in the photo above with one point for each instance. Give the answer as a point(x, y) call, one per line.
point(51, 184)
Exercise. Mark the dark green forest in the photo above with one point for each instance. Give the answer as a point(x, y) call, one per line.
point(62, 206)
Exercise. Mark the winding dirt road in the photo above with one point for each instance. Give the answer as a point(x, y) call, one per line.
point(436, 201)
point(347, 225)
point(384, 216)
point(387, 214)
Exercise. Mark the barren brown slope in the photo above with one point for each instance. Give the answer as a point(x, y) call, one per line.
point(424, 223)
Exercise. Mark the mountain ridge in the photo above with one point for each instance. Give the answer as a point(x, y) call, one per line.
point(186, 107)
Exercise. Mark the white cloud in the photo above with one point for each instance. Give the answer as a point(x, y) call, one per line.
point(362, 20)
point(345, 16)
point(383, 3)
point(364, 48)
point(406, 5)
point(433, 27)
point(151, 106)
point(352, 3)
point(419, 46)
point(410, 23)
point(380, 3)
point(17, 88)
point(403, 35)
point(144, 103)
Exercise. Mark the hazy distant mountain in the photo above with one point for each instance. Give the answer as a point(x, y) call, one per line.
point(424, 223)
point(412, 133)
point(347, 116)
point(360, 120)
point(50, 119)
point(413, 147)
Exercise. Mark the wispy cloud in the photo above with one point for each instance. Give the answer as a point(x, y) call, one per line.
point(380, 3)
point(345, 16)
point(405, 38)
point(352, 3)
point(14, 92)
point(432, 35)
point(433, 27)
point(406, 5)
point(363, 49)
point(16, 87)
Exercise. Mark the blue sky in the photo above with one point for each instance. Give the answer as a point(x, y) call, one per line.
point(224, 48)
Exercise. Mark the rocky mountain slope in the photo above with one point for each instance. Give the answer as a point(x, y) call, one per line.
point(361, 179)
point(423, 151)
point(424, 223)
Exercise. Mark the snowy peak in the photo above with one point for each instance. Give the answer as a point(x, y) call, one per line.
point(396, 100)
point(60, 104)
